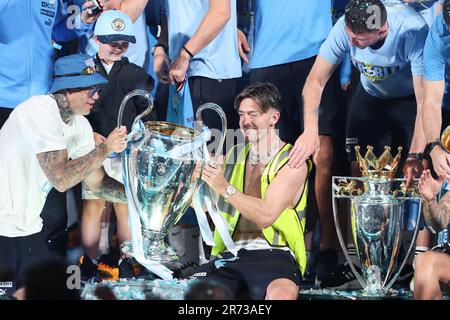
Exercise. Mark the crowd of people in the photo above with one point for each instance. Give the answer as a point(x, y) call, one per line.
point(304, 82)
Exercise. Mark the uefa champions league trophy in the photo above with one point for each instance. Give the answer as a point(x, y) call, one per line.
point(377, 219)
point(158, 165)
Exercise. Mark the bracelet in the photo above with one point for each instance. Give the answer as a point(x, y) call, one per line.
point(159, 45)
point(188, 52)
point(415, 156)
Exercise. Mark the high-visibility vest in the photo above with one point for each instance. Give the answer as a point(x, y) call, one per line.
point(288, 229)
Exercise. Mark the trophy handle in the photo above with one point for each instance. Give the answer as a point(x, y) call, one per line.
point(137, 92)
point(413, 242)
point(343, 243)
point(223, 119)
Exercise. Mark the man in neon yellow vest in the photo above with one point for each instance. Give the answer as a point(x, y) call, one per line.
point(263, 200)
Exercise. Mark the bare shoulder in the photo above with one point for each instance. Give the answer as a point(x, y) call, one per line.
point(293, 174)
point(303, 169)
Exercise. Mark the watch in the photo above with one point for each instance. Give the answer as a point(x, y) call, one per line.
point(229, 191)
point(431, 146)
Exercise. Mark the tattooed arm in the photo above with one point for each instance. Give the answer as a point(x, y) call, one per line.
point(64, 173)
point(437, 215)
point(105, 187)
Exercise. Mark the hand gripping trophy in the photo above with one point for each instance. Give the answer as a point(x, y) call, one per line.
point(377, 219)
point(158, 166)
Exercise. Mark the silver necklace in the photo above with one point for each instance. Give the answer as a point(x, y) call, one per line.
point(255, 158)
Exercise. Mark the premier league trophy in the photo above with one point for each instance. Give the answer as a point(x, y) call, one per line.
point(377, 219)
point(158, 166)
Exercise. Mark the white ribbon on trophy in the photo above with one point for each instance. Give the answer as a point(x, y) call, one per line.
point(197, 201)
point(137, 242)
point(206, 196)
point(191, 151)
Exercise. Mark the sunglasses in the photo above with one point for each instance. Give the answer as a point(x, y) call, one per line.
point(95, 89)
point(91, 90)
point(85, 72)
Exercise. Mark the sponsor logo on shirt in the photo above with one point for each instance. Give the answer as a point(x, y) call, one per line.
point(199, 274)
point(375, 73)
point(48, 8)
point(5, 284)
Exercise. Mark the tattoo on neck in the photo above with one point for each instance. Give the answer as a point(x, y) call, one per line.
point(64, 108)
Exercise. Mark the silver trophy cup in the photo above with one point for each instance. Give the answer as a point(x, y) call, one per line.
point(158, 166)
point(378, 203)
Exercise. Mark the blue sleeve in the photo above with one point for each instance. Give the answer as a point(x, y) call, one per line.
point(337, 43)
point(68, 24)
point(433, 57)
point(414, 47)
point(346, 69)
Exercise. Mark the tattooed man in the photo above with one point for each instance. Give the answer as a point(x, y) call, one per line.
point(47, 143)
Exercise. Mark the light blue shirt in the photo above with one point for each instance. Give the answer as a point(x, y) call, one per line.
point(27, 28)
point(289, 30)
point(426, 8)
point(220, 58)
point(385, 72)
point(436, 55)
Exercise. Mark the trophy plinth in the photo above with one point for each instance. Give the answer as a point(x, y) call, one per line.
point(155, 248)
point(377, 209)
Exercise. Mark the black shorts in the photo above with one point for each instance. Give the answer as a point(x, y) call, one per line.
point(253, 271)
point(54, 220)
point(290, 78)
point(18, 255)
point(379, 122)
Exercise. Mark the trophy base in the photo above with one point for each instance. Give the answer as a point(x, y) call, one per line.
point(156, 251)
point(335, 294)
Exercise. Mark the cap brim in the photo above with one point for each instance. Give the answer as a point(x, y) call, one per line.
point(83, 81)
point(116, 37)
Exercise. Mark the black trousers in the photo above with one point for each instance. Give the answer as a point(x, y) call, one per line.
point(290, 78)
point(379, 122)
point(221, 92)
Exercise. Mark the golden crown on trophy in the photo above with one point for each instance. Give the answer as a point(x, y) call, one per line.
point(383, 167)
